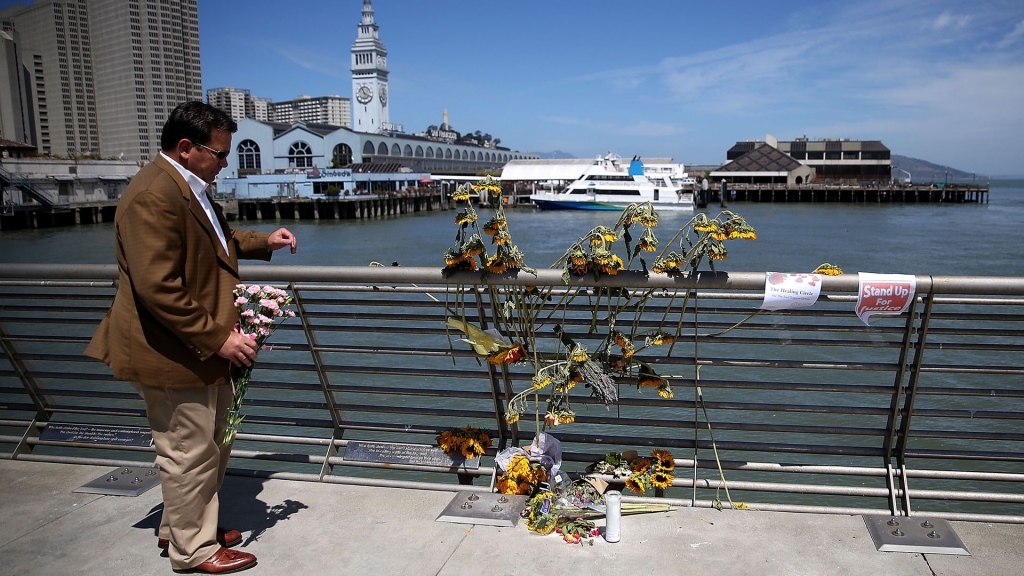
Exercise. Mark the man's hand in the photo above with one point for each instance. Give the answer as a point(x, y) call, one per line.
point(238, 349)
point(281, 238)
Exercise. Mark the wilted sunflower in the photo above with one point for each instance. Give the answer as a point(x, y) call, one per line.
point(648, 218)
point(451, 257)
point(507, 356)
point(649, 380)
point(540, 381)
point(661, 338)
point(718, 251)
point(461, 193)
point(828, 270)
point(613, 266)
point(577, 256)
point(648, 243)
point(665, 391)
point(494, 225)
point(512, 416)
point(496, 264)
point(619, 338)
point(474, 246)
point(465, 217)
point(502, 237)
point(628, 351)
point(579, 354)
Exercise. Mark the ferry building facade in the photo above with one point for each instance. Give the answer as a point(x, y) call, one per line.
point(269, 148)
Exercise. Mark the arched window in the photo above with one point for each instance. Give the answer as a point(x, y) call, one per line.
point(419, 151)
point(368, 148)
point(249, 157)
point(343, 155)
point(472, 155)
point(382, 149)
point(300, 155)
point(430, 152)
point(488, 156)
point(407, 151)
point(448, 153)
point(396, 150)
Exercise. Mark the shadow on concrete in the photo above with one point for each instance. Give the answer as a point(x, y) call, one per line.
point(240, 509)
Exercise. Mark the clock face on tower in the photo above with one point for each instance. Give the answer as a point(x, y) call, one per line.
point(383, 94)
point(364, 94)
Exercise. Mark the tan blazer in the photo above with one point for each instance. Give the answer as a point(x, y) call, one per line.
point(174, 305)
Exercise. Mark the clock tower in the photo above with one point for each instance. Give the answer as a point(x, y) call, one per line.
point(369, 78)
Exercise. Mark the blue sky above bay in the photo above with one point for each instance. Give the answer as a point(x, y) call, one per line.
point(937, 80)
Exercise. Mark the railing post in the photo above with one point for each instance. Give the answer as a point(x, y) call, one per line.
point(911, 395)
point(894, 405)
point(496, 393)
point(337, 417)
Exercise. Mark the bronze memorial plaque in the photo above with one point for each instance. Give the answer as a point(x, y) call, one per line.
point(397, 453)
point(97, 434)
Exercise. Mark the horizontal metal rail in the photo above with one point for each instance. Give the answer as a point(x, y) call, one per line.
point(810, 410)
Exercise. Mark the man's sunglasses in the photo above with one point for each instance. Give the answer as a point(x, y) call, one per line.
point(220, 154)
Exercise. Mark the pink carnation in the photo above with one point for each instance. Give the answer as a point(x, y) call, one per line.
point(248, 314)
point(254, 289)
point(241, 301)
point(264, 320)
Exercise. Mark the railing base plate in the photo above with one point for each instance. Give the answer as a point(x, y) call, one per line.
point(914, 534)
point(483, 508)
point(130, 481)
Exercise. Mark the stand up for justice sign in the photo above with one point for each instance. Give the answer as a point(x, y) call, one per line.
point(884, 294)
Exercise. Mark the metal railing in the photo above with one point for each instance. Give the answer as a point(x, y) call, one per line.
point(801, 410)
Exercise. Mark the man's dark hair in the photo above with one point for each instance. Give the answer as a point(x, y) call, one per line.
point(194, 121)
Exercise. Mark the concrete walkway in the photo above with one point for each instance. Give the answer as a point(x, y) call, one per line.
point(305, 528)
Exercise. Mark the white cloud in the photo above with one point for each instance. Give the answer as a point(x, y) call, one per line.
point(947, 20)
point(644, 128)
point(1015, 35)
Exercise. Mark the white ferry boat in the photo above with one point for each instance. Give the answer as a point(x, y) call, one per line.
point(608, 185)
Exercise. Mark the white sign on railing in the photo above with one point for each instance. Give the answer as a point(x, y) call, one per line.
point(782, 290)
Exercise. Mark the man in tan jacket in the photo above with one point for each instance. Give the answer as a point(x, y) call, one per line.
point(170, 329)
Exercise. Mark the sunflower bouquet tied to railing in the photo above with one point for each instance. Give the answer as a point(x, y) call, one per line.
point(260, 310)
point(468, 441)
point(639, 472)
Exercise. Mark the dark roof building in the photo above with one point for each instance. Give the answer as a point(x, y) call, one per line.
point(842, 159)
point(764, 164)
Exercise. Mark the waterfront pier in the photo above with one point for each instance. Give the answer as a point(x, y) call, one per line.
point(847, 193)
point(339, 208)
point(360, 207)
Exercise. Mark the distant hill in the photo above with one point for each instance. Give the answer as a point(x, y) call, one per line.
point(924, 171)
point(557, 154)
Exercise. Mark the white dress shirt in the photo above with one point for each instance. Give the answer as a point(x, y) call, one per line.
point(198, 187)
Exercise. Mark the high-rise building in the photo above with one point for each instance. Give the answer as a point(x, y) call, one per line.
point(370, 78)
point(105, 73)
point(333, 110)
point(257, 108)
point(230, 100)
point(56, 51)
point(15, 117)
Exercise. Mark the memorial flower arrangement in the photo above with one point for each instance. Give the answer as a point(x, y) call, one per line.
point(260, 310)
point(468, 441)
point(522, 477)
point(639, 472)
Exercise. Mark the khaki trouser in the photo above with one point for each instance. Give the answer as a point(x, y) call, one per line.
point(188, 426)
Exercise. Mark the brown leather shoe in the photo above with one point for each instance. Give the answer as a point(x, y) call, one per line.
point(226, 538)
point(224, 561)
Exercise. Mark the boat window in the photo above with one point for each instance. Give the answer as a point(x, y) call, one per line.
point(657, 195)
point(612, 192)
point(610, 177)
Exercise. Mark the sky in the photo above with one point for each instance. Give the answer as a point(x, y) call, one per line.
point(938, 80)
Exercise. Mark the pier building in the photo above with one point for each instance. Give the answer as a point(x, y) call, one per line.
point(239, 104)
point(831, 159)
